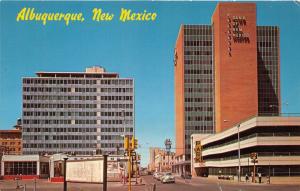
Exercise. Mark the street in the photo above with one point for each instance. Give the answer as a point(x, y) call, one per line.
point(212, 185)
point(195, 184)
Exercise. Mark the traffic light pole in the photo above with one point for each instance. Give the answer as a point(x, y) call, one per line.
point(254, 172)
point(129, 169)
point(136, 170)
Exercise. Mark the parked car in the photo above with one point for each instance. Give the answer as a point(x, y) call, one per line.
point(155, 174)
point(165, 174)
point(168, 179)
point(186, 176)
point(159, 175)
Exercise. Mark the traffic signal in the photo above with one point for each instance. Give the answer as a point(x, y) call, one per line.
point(126, 143)
point(253, 156)
point(134, 143)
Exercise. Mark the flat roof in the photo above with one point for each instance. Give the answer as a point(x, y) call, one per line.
point(250, 123)
point(78, 74)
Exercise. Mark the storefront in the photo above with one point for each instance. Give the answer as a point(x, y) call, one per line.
point(24, 166)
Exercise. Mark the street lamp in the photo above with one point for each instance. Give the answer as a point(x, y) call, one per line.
point(239, 151)
point(123, 158)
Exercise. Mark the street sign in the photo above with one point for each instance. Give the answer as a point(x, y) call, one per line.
point(198, 153)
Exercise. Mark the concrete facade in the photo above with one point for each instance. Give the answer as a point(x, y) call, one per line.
point(77, 112)
point(276, 140)
point(225, 73)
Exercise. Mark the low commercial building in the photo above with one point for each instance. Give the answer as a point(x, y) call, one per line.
point(24, 166)
point(11, 140)
point(153, 151)
point(164, 161)
point(275, 141)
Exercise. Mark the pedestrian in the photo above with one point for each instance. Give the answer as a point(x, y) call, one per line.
point(259, 177)
point(246, 177)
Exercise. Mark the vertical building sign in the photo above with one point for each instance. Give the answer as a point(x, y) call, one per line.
point(198, 152)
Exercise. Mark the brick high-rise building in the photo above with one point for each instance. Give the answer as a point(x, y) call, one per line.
point(225, 73)
point(81, 112)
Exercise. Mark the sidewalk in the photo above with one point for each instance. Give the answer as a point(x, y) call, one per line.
point(140, 182)
point(205, 180)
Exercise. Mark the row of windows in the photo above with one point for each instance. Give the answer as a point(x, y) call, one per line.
point(111, 137)
point(45, 89)
point(197, 81)
point(112, 145)
point(85, 121)
point(72, 137)
point(118, 114)
point(58, 114)
point(85, 89)
point(199, 90)
point(36, 121)
point(200, 128)
point(265, 53)
point(117, 82)
point(109, 106)
point(60, 137)
point(46, 105)
point(200, 99)
point(116, 90)
point(9, 143)
point(24, 168)
point(197, 43)
point(53, 121)
point(265, 62)
point(38, 129)
point(108, 130)
point(267, 44)
point(198, 52)
point(197, 71)
point(190, 90)
point(197, 30)
point(267, 31)
point(83, 82)
point(54, 97)
point(198, 109)
point(63, 145)
point(116, 122)
point(198, 62)
point(117, 98)
point(199, 118)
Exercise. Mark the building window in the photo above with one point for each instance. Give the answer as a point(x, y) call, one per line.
point(18, 168)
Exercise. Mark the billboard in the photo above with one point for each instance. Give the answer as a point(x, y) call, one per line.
point(85, 171)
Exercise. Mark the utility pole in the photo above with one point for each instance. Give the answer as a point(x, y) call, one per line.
point(65, 173)
point(129, 148)
point(105, 172)
point(239, 153)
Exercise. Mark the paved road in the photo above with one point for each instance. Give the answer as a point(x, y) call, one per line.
point(209, 185)
point(180, 185)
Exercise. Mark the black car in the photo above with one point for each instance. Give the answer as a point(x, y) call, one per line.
point(186, 176)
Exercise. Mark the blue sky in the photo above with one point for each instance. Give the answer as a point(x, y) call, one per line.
point(142, 50)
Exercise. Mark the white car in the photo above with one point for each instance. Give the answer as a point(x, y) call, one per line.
point(169, 178)
point(155, 175)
